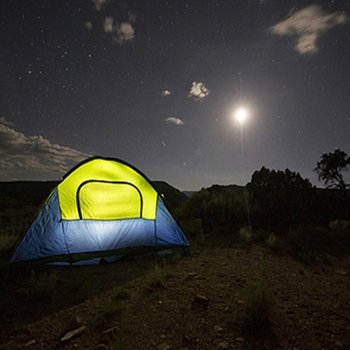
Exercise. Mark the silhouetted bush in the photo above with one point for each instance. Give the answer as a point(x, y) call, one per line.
point(273, 242)
point(281, 199)
point(245, 235)
point(333, 205)
point(193, 229)
point(217, 207)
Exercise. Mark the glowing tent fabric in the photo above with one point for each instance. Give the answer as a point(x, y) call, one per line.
point(102, 208)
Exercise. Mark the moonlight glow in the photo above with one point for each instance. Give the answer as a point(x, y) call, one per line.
point(241, 115)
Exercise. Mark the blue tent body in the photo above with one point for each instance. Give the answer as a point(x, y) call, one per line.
point(53, 238)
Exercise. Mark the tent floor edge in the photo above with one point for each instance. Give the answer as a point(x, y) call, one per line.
point(73, 258)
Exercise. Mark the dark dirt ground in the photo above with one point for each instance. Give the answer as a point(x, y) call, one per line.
point(146, 304)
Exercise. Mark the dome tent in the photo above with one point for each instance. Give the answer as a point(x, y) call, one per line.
point(102, 208)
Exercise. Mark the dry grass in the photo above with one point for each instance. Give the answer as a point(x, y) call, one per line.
point(7, 242)
point(245, 235)
point(272, 241)
point(258, 306)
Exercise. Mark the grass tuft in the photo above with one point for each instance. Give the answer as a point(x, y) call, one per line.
point(272, 242)
point(155, 277)
point(193, 229)
point(336, 225)
point(7, 242)
point(43, 286)
point(116, 305)
point(258, 304)
point(245, 235)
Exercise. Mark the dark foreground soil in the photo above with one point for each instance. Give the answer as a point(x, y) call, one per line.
point(143, 304)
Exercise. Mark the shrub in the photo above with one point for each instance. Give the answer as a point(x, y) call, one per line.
point(172, 258)
point(123, 294)
point(258, 306)
point(281, 199)
point(43, 285)
point(7, 242)
point(272, 241)
point(116, 305)
point(155, 277)
point(193, 229)
point(218, 207)
point(339, 225)
point(245, 235)
point(297, 247)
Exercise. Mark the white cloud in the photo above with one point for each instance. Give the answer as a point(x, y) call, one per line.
point(99, 4)
point(198, 91)
point(166, 93)
point(108, 24)
point(131, 17)
point(174, 120)
point(124, 32)
point(4, 121)
point(307, 25)
point(33, 157)
point(88, 25)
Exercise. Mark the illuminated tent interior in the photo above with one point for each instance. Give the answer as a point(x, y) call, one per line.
point(102, 209)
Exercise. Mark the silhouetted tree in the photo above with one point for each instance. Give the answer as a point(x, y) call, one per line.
point(280, 199)
point(331, 167)
point(218, 207)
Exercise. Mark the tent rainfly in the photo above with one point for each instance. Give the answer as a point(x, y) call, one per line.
point(103, 208)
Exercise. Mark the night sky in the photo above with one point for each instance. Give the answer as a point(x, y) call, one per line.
point(156, 83)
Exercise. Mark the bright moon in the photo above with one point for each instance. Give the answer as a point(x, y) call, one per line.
point(241, 115)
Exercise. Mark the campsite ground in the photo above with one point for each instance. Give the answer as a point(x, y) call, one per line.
point(225, 294)
point(149, 303)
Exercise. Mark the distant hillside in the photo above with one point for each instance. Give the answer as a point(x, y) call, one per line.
point(22, 193)
point(172, 196)
point(216, 188)
point(219, 188)
point(189, 194)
